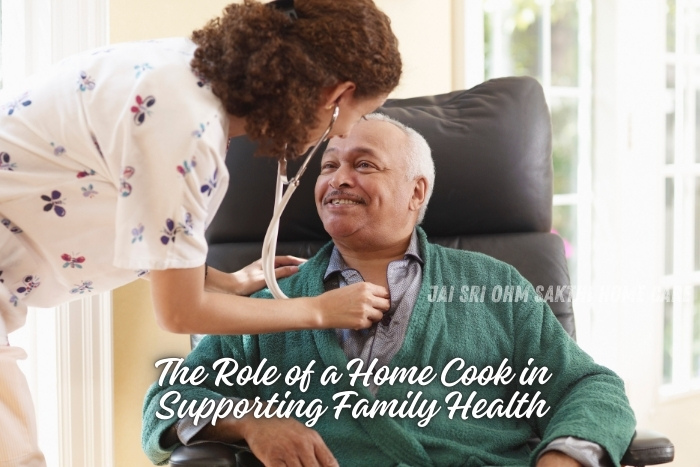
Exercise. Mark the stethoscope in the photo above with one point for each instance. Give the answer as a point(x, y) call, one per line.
point(281, 200)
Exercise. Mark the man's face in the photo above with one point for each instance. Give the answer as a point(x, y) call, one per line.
point(363, 193)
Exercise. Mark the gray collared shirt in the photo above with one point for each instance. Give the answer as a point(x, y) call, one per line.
point(384, 339)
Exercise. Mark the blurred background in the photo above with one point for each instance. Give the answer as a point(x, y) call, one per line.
point(622, 80)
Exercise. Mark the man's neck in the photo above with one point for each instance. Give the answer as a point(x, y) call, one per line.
point(372, 263)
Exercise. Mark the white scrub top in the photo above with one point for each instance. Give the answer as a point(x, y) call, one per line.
point(110, 165)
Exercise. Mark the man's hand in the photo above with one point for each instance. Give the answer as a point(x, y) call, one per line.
point(355, 306)
point(286, 442)
point(557, 459)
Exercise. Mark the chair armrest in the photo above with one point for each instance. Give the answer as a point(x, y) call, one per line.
point(214, 455)
point(204, 454)
point(648, 448)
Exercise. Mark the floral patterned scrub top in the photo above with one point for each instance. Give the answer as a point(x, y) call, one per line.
point(110, 165)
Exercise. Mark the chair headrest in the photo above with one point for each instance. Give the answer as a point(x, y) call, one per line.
point(492, 150)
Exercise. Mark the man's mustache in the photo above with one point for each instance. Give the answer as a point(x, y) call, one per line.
point(342, 194)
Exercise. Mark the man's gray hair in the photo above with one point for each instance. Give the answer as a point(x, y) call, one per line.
point(419, 158)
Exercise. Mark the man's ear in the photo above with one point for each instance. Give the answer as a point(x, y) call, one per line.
point(419, 191)
point(339, 93)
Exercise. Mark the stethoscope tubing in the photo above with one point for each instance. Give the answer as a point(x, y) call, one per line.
point(281, 199)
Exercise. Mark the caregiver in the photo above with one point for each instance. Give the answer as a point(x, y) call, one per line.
point(112, 164)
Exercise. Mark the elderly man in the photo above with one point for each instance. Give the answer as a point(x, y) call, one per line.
point(436, 382)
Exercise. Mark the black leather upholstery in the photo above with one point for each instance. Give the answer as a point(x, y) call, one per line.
point(206, 455)
point(214, 455)
point(649, 448)
point(492, 151)
point(493, 188)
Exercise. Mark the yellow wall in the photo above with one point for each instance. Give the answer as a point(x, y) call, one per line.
point(138, 341)
point(149, 19)
point(424, 31)
point(678, 419)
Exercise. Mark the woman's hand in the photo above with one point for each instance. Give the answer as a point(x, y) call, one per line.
point(182, 305)
point(250, 279)
point(355, 306)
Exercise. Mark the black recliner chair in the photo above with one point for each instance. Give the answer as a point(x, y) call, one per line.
point(493, 194)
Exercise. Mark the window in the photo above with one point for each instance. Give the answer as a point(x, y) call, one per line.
point(69, 368)
point(1, 71)
point(551, 41)
point(622, 79)
point(681, 174)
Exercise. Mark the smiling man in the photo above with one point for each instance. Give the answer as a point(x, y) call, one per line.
point(435, 382)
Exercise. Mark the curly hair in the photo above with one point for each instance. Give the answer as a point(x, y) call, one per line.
point(270, 69)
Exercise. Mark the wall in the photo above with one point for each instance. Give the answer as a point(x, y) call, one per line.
point(678, 418)
point(149, 19)
point(138, 341)
point(424, 31)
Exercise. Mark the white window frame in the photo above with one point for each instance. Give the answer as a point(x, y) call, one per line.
point(469, 71)
point(69, 368)
point(628, 194)
point(619, 195)
point(685, 173)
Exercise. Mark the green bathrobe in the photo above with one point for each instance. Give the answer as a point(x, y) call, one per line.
point(579, 398)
